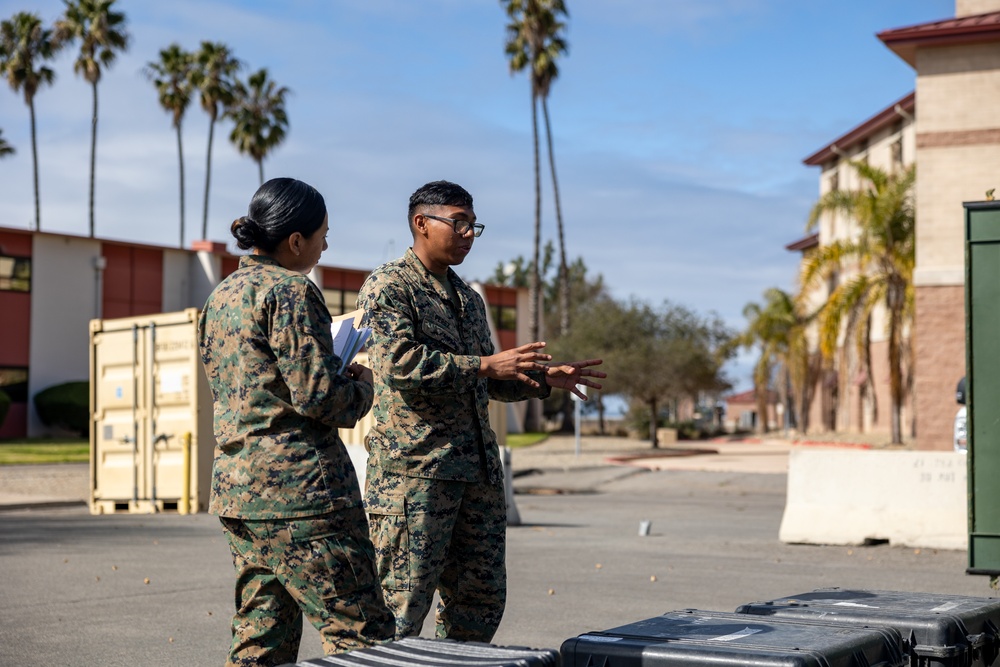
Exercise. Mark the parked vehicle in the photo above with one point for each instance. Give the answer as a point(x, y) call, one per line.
point(961, 436)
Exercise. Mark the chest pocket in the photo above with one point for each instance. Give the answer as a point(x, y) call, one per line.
point(442, 331)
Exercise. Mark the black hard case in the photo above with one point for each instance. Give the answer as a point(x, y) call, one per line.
point(438, 653)
point(712, 639)
point(938, 630)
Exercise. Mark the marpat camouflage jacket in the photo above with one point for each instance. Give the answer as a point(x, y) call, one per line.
point(267, 349)
point(431, 408)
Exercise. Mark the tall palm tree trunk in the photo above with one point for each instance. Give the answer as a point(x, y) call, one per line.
point(532, 417)
point(563, 271)
point(34, 162)
point(260, 171)
point(534, 284)
point(567, 407)
point(93, 157)
point(180, 160)
point(652, 424)
point(208, 175)
point(895, 377)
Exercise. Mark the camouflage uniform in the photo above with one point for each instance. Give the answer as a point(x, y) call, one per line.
point(283, 483)
point(435, 480)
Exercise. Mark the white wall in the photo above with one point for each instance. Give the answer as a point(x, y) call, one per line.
point(178, 268)
point(64, 299)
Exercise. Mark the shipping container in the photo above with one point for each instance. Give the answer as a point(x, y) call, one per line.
point(151, 440)
point(695, 638)
point(438, 653)
point(939, 630)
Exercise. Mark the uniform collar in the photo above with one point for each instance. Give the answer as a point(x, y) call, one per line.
point(427, 278)
point(254, 260)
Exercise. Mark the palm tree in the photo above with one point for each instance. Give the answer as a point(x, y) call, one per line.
point(882, 256)
point(5, 148)
point(101, 32)
point(214, 77)
point(534, 40)
point(779, 331)
point(24, 46)
point(172, 77)
point(259, 114)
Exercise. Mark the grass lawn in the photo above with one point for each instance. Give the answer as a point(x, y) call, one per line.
point(44, 450)
point(515, 440)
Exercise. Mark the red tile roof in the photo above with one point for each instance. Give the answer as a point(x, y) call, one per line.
point(804, 243)
point(884, 118)
point(975, 29)
point(750, 396)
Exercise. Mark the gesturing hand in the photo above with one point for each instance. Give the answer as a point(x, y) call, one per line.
point(514, 364)
point(568, 374)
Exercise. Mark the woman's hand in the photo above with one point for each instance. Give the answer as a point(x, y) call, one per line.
point(360, 373)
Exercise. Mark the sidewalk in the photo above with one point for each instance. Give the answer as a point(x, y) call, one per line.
point(559, 453)
point(50, 485)
point(599, 459)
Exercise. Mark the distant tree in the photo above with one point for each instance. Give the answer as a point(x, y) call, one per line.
point(882, 257)
point(101, 32)
point(655, 357)
point(535, 42)
point(258, 111)
point(214, 76)
point(25, 45)
point(5, 148)
point(171, 75)
point(779, 333)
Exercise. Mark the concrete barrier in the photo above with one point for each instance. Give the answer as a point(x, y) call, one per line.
point(843, 496)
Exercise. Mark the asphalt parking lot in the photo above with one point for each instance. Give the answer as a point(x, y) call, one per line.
point(155, 590)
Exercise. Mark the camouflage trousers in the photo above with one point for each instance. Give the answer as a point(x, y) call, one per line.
point(440, 535)
point(320, 566)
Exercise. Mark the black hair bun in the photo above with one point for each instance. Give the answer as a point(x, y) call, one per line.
point(246, 231)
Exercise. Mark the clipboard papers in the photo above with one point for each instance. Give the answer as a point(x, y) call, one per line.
point(348, 340)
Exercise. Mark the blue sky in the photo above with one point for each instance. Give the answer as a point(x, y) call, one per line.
point(679, 128)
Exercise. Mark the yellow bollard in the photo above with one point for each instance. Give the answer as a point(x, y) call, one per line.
point(184, 506)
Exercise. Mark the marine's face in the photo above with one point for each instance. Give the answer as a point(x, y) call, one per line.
point(311, 248)
point(444, 247)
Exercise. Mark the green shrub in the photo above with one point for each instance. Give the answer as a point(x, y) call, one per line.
point(65, 406)
point(4, 405)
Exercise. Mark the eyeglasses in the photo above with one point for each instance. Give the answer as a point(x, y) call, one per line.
point(461, 227)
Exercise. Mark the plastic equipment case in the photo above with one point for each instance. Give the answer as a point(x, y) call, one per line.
point(438, 653)
point(940, 630)
point(706, 638)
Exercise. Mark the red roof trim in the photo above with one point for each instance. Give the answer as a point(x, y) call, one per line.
point(866, 129)
point(978, 28)
point(810, 241)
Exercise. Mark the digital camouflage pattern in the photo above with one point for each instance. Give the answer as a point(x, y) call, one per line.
point(321, 565)
point(266, 345)
point(434, 478)
point(440, 535)
point(431, 408)
point(282, 481)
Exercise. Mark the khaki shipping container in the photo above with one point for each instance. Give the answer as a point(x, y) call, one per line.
point(151, 441)
point(151, 438)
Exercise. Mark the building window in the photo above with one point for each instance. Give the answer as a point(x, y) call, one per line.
point(832, 282)
point(14, 383)
point(897, 152)
point(340, 301)
point(504, 317)
point(834, 181)
point(15, 274)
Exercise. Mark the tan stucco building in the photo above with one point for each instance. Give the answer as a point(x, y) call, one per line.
point(950, 128)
